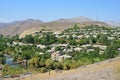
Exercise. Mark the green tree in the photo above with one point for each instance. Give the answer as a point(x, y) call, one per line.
point(57, 65)
point(42, 63)
point(28, 39)
point(48, 63)
point(66, 64)
point(15, 38)
point(76, 27)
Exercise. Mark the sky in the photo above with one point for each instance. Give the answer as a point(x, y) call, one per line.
point(48, 10)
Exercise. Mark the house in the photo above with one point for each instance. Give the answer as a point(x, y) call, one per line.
point(50, 51)
point(90, 50)
point(64, 50)
point(21, 44)
point(80, 36)
point(41, 46)
point(55, 56)
point(77, 49)
point(57, 32)
point(86, 46)
point(74, 35)
point(41, 53)
point(63, 57)
point(95, 45)
point(64, 45)
point(87, 36)
point(67, 36)
point(101, 52)
point(103, 47)
point(95, 36)
point(8, 44)
point(14, 43)
point(110, 38)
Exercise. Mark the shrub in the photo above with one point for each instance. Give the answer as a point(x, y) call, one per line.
point(42, 70)
point(74, 64)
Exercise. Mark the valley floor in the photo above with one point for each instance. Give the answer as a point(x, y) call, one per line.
point(105, 70)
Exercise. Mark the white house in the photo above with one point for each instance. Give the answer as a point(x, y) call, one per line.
point(90, 50)
point(77, 49)
point(41, 46)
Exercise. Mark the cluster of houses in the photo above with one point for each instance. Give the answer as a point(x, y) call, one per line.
point(77, 34)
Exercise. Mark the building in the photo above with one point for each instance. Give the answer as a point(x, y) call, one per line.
point(55, 56)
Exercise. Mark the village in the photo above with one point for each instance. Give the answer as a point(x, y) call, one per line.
point(65, 48)
point(44, 50)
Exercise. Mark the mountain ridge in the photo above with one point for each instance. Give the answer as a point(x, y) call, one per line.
point(113, 23)
point(74, 19)
point(19, 27)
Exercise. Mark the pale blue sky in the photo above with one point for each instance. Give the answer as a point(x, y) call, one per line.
point(47, 10)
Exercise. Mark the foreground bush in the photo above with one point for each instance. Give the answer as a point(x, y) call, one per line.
point(42, 70)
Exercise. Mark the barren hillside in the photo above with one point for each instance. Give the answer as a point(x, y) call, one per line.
point(105, 70)
point(31, 25)
point(59, 26)
point(18, 27)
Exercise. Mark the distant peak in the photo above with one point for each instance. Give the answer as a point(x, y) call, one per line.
point(33, 20)
point(74, 19)
point(113, 23)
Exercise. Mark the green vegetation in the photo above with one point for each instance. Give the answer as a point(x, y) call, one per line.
point(85, 46)
point(7, 70)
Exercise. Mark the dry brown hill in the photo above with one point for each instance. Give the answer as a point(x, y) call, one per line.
point(62, 24)
point(29, 26)
point(18, 27)
point(59, 26)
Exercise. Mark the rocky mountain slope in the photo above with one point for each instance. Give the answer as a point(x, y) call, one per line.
point(18, 27)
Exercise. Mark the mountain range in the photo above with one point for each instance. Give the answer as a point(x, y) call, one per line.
point(3, 24)
point(31, 25)
point(114, 23)
point(18, 27)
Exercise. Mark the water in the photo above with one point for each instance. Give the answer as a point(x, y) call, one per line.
point(9, 61)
